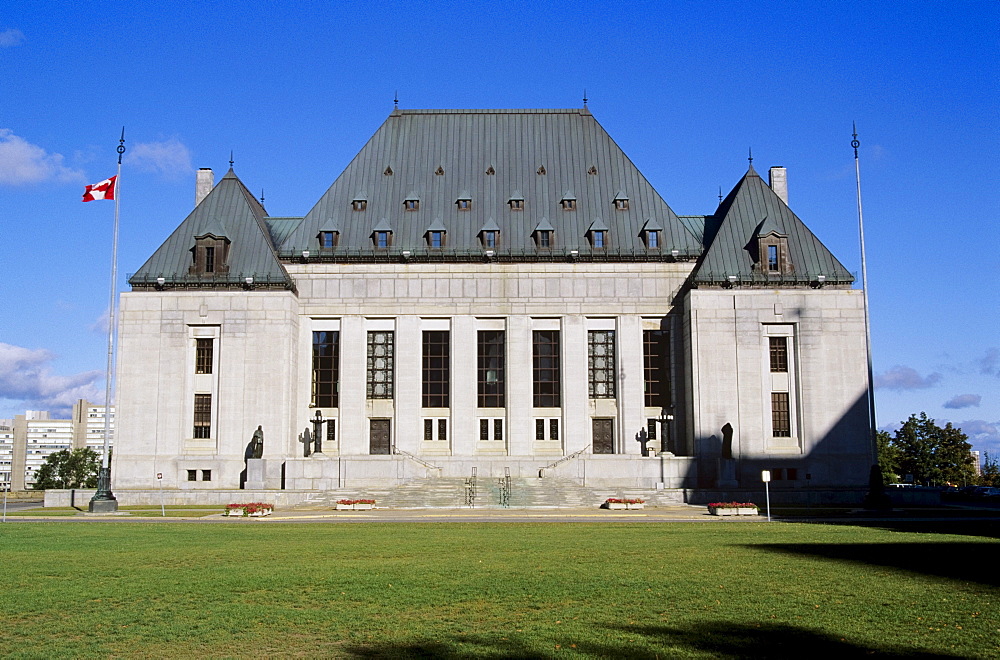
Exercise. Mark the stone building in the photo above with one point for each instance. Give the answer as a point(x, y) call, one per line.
point(492, 289)
point(29, 439)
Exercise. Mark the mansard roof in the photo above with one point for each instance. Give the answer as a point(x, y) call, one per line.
point(229, 211)
point(753, 210)
point(491, 157)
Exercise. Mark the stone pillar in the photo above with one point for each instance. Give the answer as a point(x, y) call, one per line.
point(464, 428)
point(352, 434)
point(520, 427)
point(575, 393)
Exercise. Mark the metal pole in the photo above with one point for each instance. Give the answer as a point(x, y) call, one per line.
point(104, 500)
point(767, 494)
point(873, 453)
point(5, 503)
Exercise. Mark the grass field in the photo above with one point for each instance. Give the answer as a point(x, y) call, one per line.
point(494, 590)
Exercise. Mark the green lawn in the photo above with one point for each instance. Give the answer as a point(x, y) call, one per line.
point(494, 590)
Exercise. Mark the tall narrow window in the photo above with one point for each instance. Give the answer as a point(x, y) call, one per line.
point(598, 239)
point(210, 260)
point(545, 368)
point(435, 369)
point(381, 349)
point(331, 430)
point(490, 366)
point(489, 238)
point(328, 239)
point(652, 239)
point(543, 238)
point(202, 415)
point(325, 367)
point(383, 239)
point(772, 258)
point(654, 366)
point(203, 356)
point(781, 426)
point(601, 363)
point(779, 354)
point(435, 239)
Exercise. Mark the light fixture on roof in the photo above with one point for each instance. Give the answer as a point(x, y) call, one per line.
point(675, 253)
point(305, 256)
point(573, 254)
point(247, 283)
point(160, 281)
point(820, 281)
point(730, 281)
point(406, 255)
point(489, 254)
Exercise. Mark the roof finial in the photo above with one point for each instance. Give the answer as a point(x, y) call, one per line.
point(395, 100)
point(750, 156)
point(121, 146)
point(262, 197)
point(585, 98)
point(720, 194)
point(854, 142)
point(231, 159)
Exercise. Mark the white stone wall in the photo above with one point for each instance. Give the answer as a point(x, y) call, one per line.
point(263, 360)
point(725, 338)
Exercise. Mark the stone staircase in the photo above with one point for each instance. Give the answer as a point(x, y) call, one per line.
point(525, 493)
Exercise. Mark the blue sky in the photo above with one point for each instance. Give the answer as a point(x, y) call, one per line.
point(685, 88)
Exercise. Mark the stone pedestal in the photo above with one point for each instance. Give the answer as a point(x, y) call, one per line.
point(255, 474)
point(727, 473)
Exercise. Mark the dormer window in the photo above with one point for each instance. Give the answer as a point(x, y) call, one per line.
point(382, 239)
point(598, 239)
point(463, 204)
point(359, 204)
point(210, 255)
point(411, 204)
point(435, 239)
point(328, 239)
point(621, 205)
point(489, 238)
point(653, 239)
point(568, 203)
point(773, 254)
point(543, 238)
point(516, 204)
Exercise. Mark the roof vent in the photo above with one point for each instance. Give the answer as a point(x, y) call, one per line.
point(490, 170)
point(593, 170)
point(541, 170)
point(388, 171)
point(439, 171)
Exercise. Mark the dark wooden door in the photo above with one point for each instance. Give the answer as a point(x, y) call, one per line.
point(379, 436)
point(604, 437)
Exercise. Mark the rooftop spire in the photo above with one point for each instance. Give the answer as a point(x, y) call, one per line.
point(395, 100)
point(231, 161)
point(750, 156)
point(262, 197)
point(585, 97)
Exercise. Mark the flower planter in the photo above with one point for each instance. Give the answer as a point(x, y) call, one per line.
point(258, 514)
point(234, 512)
point(345, 507)
point(355, 505)
point(734, 512)
point(363, 507)
point(636, 505)
point(616, 505)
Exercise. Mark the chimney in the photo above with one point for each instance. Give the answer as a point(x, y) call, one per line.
point(203, 184)
point(778, 180)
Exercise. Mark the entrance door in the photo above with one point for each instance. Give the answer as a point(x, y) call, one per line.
point(378, 435)
point(604, 437)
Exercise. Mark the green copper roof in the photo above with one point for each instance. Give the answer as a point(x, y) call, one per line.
point(753, 210)
point(229, 210)
point(578, 157)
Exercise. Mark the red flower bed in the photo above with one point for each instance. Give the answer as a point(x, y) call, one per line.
point(731, 505)
point(350, 502)
point(623, 500)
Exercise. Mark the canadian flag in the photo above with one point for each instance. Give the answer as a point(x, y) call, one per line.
point(103, 190)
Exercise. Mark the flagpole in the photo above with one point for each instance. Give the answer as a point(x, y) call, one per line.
point(864, 284)
point(104, 500)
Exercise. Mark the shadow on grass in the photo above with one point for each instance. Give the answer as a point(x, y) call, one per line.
point(717, 639)
point(961, 525)
point(968, 561)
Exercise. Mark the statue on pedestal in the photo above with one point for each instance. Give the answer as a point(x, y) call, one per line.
point(257, 443)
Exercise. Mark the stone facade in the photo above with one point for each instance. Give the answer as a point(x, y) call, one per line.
point(207, 354)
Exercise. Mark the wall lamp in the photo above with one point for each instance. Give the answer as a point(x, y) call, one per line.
point(160, 281)
point(305, 256)
point(406, 255)
point(730, 281)
point(248, 283)
point(820, 281)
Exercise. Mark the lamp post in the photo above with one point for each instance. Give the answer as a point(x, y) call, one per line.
point(317, 423)
point(666, 439)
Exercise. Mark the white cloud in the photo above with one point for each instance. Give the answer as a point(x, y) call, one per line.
point(11, 37)
point(169, 158)
point(23, 163)
point(983, 435)
point(990, 363)
point(26, 376)
point(902, 378)
point(964, 401)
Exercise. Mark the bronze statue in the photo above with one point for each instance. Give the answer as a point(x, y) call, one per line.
point(257, 444)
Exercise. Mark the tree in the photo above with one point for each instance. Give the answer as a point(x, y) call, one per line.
point(69, 469)
point(990, 474)
point(888, 457)
point(934, 455)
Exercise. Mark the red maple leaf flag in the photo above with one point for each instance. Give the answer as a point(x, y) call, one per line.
point(103, 190)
